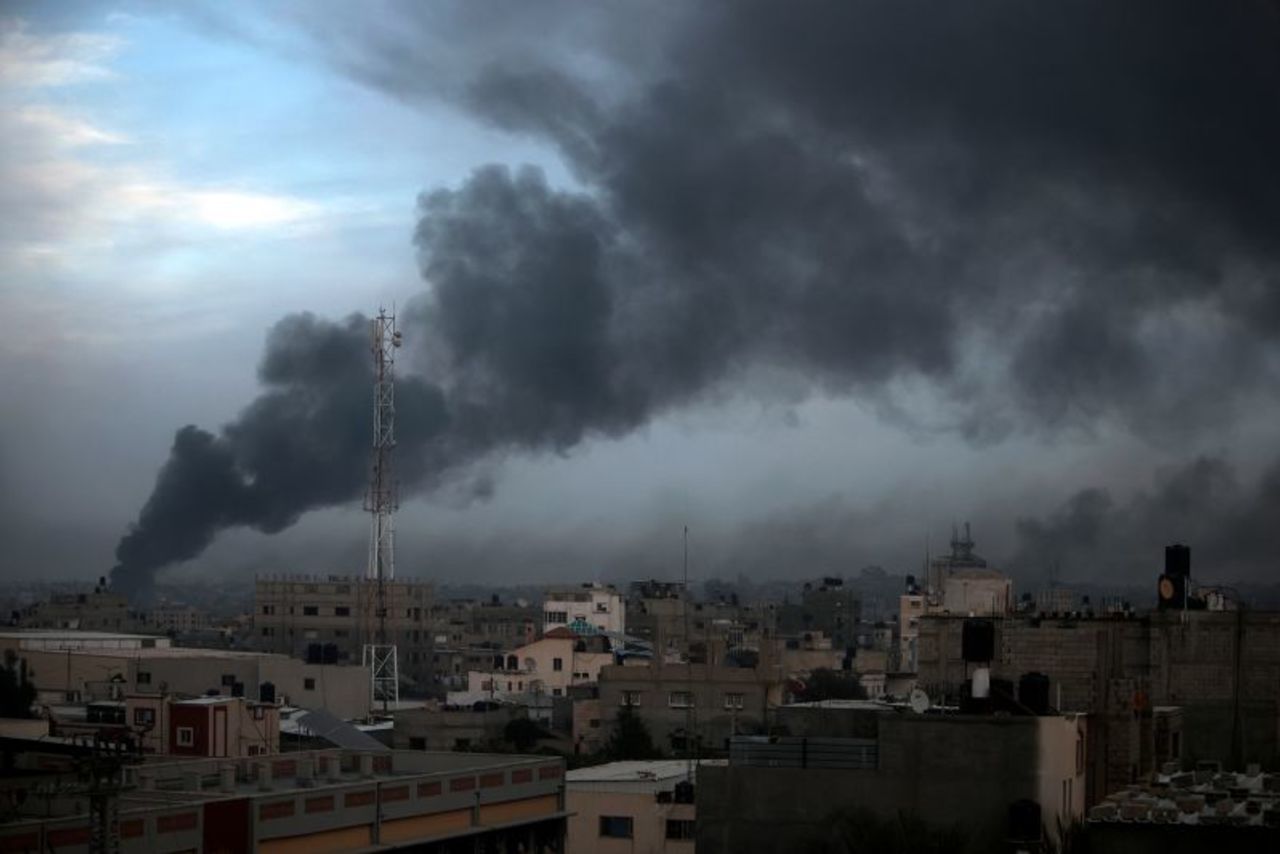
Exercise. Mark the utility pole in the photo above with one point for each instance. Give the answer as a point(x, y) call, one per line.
point(381, 501)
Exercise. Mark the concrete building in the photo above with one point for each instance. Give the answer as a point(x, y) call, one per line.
point(226, 727)
point(316, 802)
point(782, 794)
point(330, 619)
point(911, 607)
point(625, 807)
point(176, 619)
point(72, 667)
point(598, 605)
point(828, 606)
point(1218, 668)
point(438, 727)
point(708, 701)
point(100, 610)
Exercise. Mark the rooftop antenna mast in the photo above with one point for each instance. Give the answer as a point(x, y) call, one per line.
point(381, 501)
point(689, 720)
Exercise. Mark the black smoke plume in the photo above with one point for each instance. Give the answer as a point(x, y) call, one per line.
point(304, 443)
point(1231, 526)
point(1055, 218)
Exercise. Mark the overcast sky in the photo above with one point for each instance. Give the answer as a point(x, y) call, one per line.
point(817, 280)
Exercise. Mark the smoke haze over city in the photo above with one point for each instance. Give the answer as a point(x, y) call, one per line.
point(816, 280)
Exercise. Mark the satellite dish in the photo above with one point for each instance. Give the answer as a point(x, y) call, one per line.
point(919, 701)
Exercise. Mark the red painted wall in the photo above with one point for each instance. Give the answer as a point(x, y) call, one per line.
point(196, 717)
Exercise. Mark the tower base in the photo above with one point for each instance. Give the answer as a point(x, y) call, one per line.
point(384, 670)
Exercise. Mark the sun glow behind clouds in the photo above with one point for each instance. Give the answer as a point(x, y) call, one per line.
point(233, 210)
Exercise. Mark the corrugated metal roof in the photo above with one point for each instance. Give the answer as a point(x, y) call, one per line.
point(321, 724)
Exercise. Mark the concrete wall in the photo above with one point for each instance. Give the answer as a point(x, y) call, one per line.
point(949, 770)
point(648, 820)
point(712, 717)
point(1222, 668)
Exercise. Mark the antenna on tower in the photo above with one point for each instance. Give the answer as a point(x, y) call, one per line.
point(381, 502)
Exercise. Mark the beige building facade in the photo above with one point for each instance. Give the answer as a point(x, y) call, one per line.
point(641, 807)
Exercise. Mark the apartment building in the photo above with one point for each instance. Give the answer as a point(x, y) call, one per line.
point(708, 701)
point(591, 605)
point(330, 618)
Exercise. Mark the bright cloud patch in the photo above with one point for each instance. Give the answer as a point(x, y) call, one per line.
point(37, 61)
point(228, 210)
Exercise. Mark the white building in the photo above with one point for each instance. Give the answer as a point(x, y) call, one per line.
point(599, 606)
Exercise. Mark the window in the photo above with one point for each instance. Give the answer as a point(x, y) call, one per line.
point(557, 664)
point(144, 678)
point(733, 701)
point(341, 633)
point(308, 684)
point(555, 617)
point(615, 826)
point(342, 611)
point(594, 723)
point(602, 607)
point(268, 609)
point(267, 631)
point(144, 717)
point(681, 828)
point(680, 699)
point(1175, 750)
point(310, 610)
point(555, 692)
point(630, 698)
point(186, 736)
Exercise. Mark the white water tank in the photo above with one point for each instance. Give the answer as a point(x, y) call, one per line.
point(981, 683)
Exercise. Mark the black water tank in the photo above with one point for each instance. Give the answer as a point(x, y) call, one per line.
point(1024, 821)
point(1033, 693)
point(1177, 561)
point(978, 641)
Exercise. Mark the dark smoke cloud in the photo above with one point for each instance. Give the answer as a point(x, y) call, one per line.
point(1057, 217)
point(1093, 535)
point(304, 443)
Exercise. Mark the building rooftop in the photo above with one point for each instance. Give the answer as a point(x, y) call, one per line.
point(74, 635)
point(659, 769)
point(1202, 797)
point(641, 777)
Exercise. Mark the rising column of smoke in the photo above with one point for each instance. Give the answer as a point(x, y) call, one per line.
point(857, 192)
point(304, 443)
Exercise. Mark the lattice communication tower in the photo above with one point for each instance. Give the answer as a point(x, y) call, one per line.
point(381, 501)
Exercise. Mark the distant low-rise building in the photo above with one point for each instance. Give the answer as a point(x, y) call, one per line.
point(705, 702)
point(329, 619)
point(74, 667)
